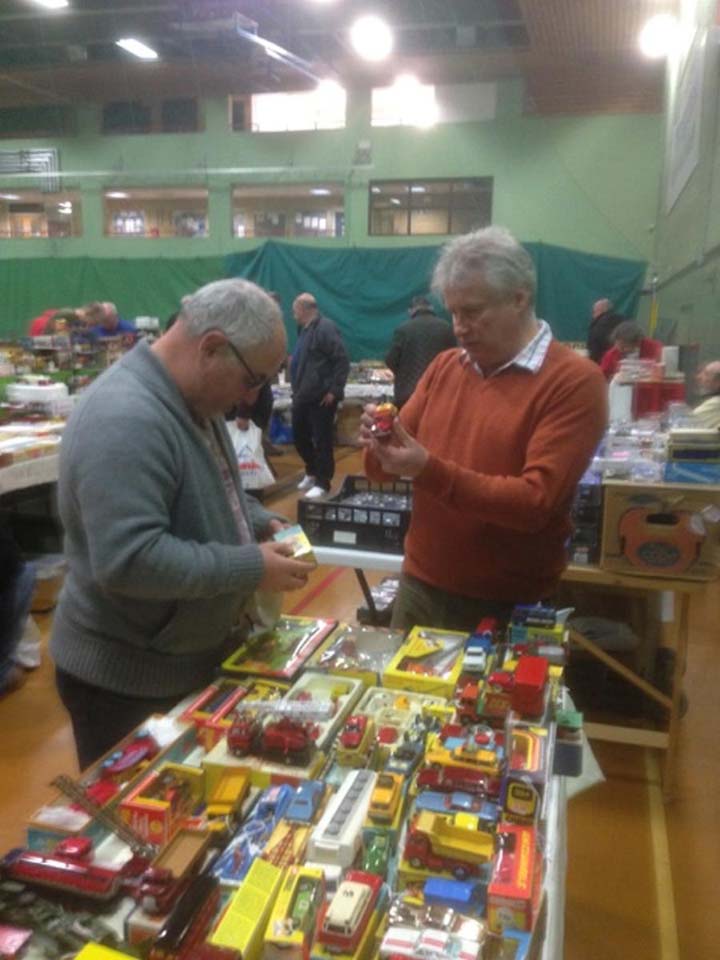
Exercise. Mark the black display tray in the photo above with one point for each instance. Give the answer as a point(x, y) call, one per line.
point(364, 515)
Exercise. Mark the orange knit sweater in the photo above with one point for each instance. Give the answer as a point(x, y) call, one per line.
point(491, 508)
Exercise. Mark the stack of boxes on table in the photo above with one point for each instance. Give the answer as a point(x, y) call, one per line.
point(650, 504)
point(341, 791)
point(21, 441)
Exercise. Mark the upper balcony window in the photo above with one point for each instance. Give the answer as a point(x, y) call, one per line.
point(406, 103)
point(173, 115)
point(291, 210)
point(156, 213)
point(27, 214)
point(409, 103)
point(319, 109)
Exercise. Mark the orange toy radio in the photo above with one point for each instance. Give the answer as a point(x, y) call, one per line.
point(666, 541)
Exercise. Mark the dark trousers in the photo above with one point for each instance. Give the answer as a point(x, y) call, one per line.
point(419, 604)
point(313, 428)
point(101, 718)
point(15, 600)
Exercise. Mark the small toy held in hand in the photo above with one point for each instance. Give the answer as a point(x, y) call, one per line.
point(385, 414)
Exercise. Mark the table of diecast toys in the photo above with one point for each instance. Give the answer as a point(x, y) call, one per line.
point(681, 592)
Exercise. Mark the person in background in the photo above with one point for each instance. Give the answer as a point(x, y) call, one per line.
point(17, 582)
point(629, 342)
point(318, 372)
point(603, 322)
point(38, 326)
point(495, 437)
point(707, 413)
point(111, 323)
point(92, 314)
point(166, 555)
point(65, 321)
point(414, 344)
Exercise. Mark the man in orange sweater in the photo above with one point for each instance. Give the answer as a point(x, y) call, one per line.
point(496, 436)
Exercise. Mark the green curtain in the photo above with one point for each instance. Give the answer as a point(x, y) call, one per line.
point(366, 291)
point(140, 287)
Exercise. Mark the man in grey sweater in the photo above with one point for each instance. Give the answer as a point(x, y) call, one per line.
point(161, 542)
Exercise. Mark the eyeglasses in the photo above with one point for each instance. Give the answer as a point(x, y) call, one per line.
point(255, 381)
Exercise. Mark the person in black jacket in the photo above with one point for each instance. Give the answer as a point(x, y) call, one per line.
point(603, 323)
point(319, 368)
point(414, 344)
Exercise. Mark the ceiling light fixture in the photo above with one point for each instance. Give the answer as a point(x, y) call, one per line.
point(658, 36)
point(395, 201)
point(117, 195)
point(320, 192)
point(53, 4)
point(375, 190)
point(371, 38)
point(137, 48)
point(9, 196)
point(416, 188)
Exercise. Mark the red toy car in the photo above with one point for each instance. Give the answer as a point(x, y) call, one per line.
point(158, 889)
point(449, 779)
point(122, 764)
point(242, 735)
point(68, 867)
point(353, 732)
point(285, 739)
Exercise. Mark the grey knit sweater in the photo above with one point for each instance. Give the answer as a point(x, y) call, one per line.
point(156, 574)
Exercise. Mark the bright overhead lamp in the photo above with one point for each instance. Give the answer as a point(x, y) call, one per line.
point(395, 201)
point(328, 89)
point(320, 192)
point(53, 4)
point(9, 196)
point(137, 48)
point(375, 190)
point(371, 38)
point(406, 82)
point(117, 195)
point(416, 188)
point(658, 36)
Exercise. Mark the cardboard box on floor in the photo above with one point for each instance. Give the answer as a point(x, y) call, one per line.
point(662, 530)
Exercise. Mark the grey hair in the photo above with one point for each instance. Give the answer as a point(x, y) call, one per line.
point(247, 315)
point(628, 332)
point(493, 256)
